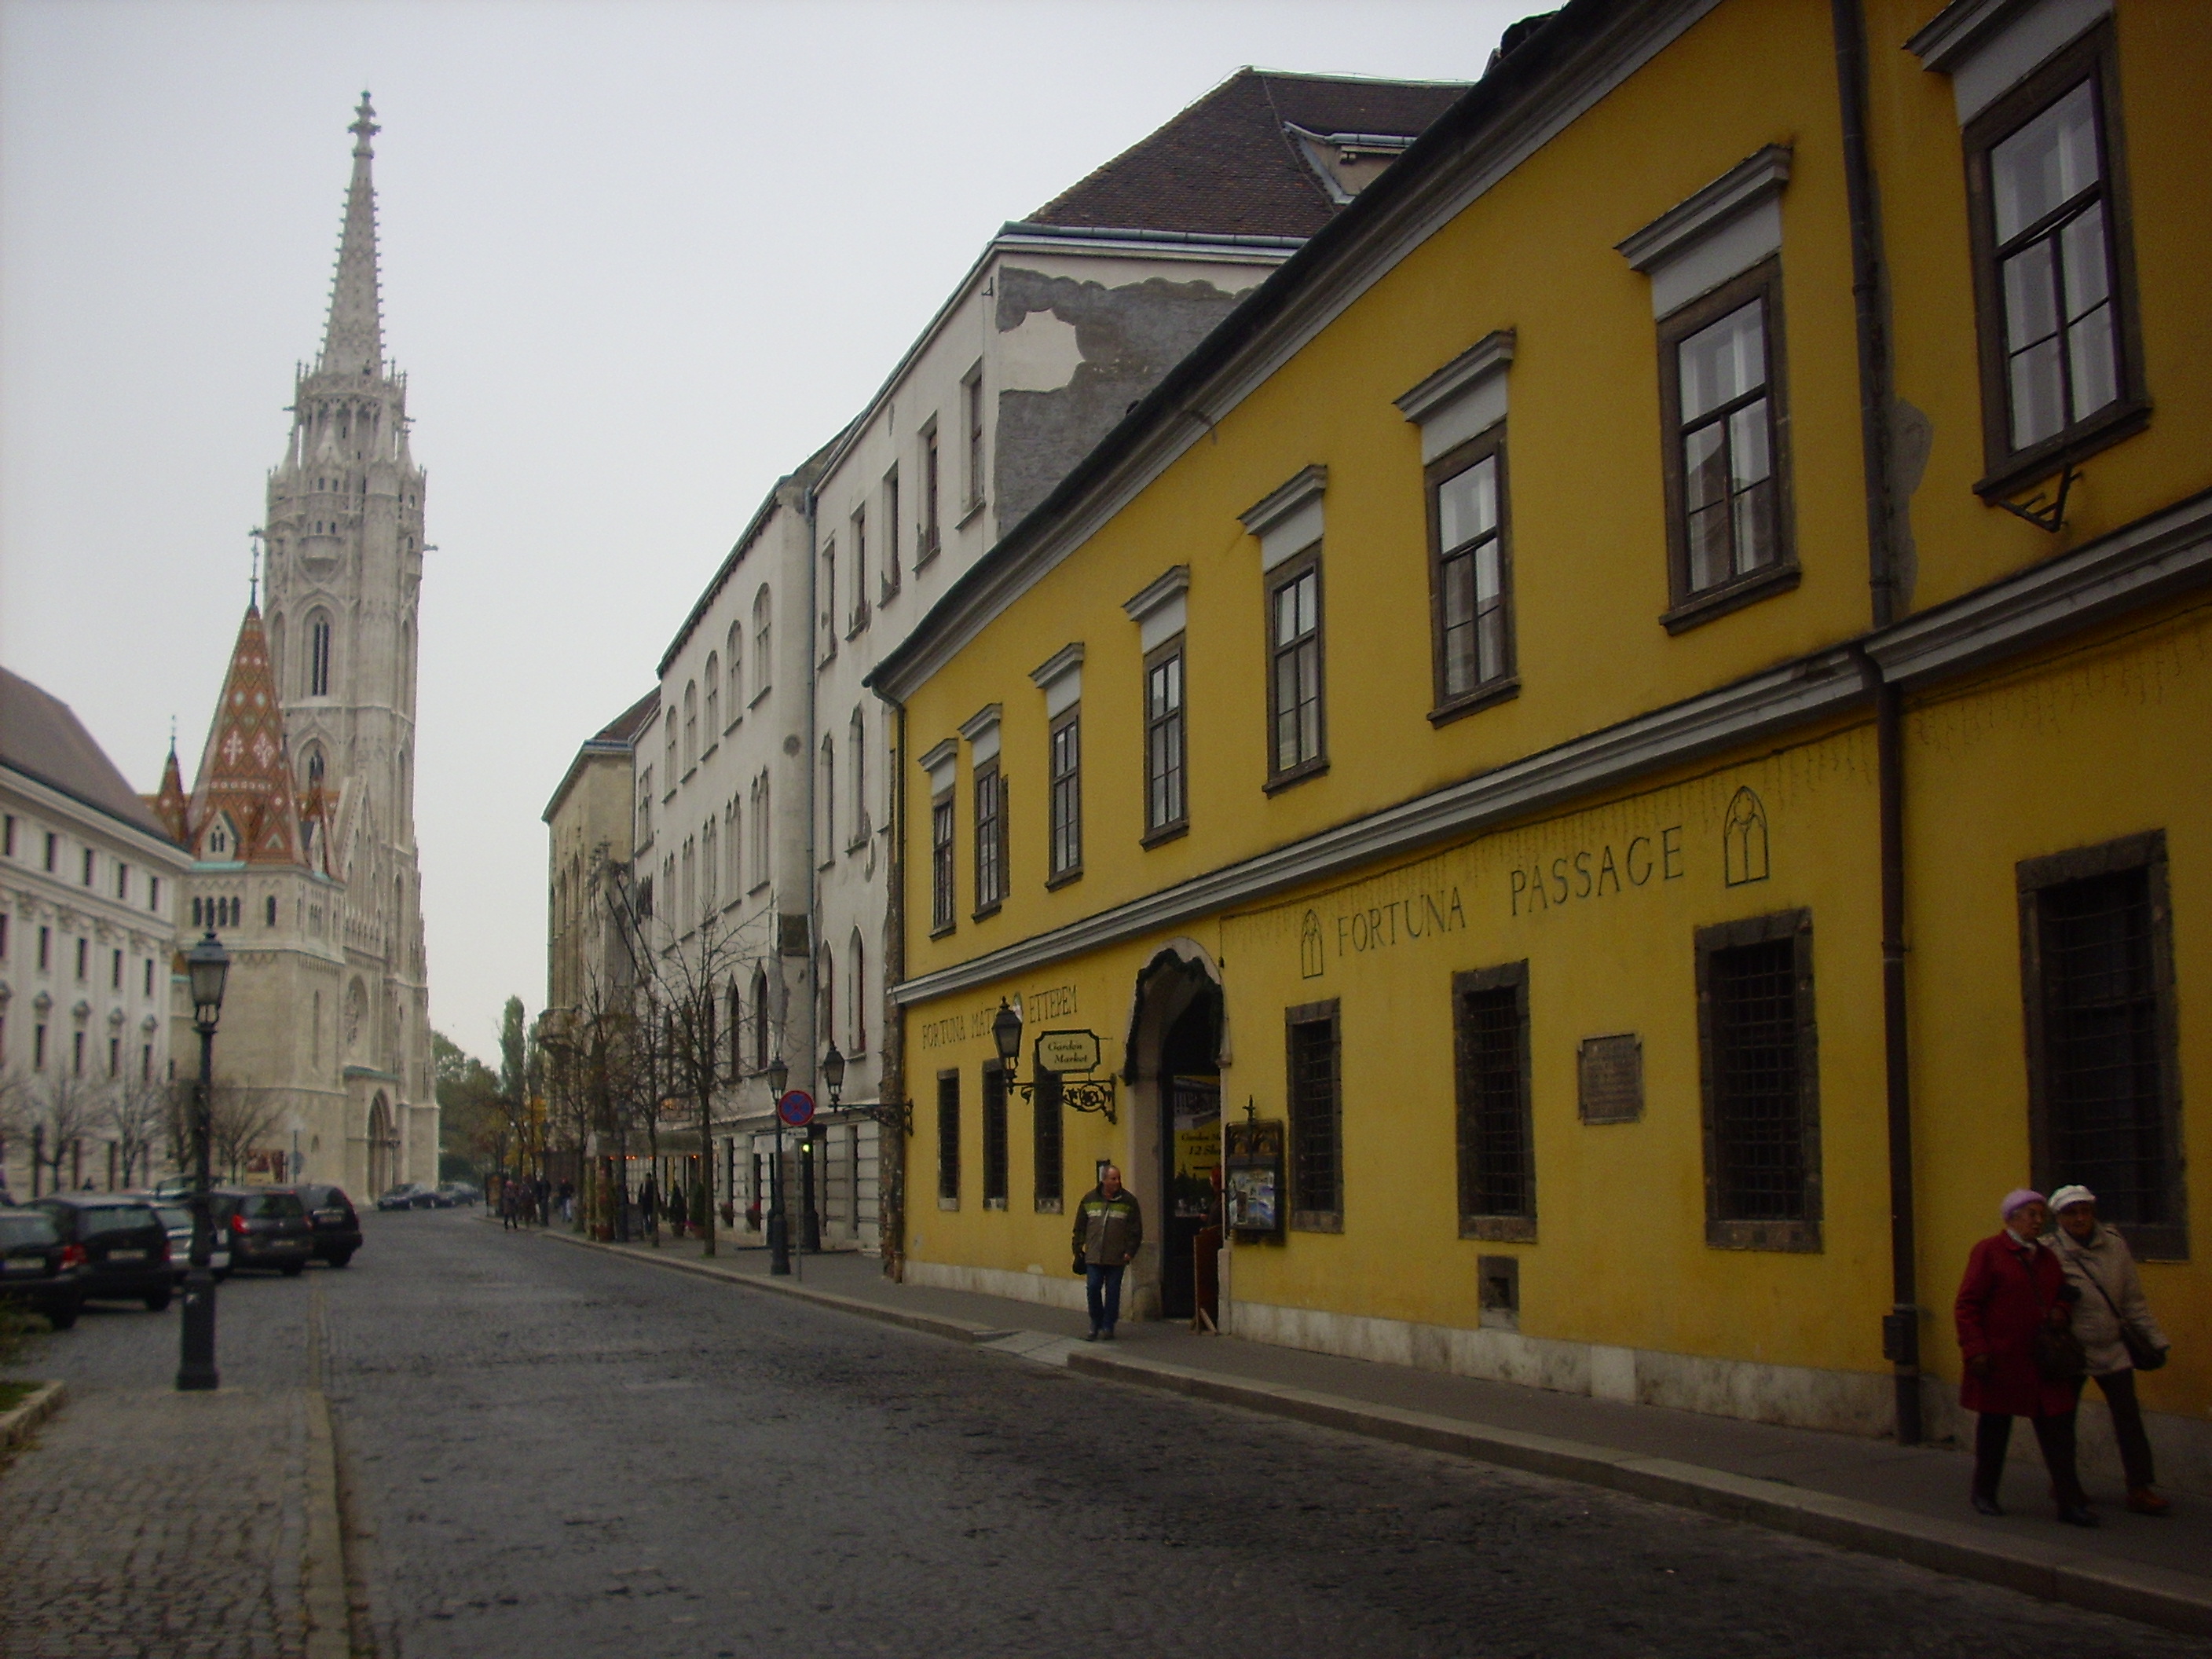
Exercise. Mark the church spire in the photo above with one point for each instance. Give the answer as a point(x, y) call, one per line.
point(354, 342)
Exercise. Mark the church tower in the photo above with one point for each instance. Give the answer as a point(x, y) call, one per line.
point(344, 533)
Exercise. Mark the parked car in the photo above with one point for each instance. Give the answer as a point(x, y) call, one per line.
point(173, 1189)
point(123, 1248)
point(460, 1191)
point(177, 1217)
point(414, 1195)
point(337, 1229)
point(37, 1269)
point(269, 1228)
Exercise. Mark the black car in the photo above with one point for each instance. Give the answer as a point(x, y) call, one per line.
point(121, 1245)
point(269, 1228)
point(337, 1229)
point(413, 1196)
point(37, 1269)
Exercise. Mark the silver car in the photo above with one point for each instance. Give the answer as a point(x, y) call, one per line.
point(178, 1219)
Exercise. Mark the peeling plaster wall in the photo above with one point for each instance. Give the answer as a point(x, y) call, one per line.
point(1124, 340)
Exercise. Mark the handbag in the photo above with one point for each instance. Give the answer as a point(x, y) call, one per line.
point(2058, 1353)
point(2142, 1353)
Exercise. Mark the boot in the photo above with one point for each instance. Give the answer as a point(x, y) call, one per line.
point(2145, 1500)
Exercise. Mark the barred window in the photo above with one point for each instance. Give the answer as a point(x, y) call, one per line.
point(994, 1138)
point(948, 1141)
point(940, 863)
point(2103, 1084)
point(1497, 1151)
point(1047, 1144)
point(1761, 1087)
point(1314, 1048)
point(1067, 797)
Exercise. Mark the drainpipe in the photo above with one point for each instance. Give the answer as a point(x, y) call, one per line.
point(892, 1094)
point(1901, 1328)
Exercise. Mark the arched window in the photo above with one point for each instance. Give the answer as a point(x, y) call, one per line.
point(714, 698)
point(760, 1016)
point(858, 736)
point(736, 671)
point(314, 766)
point(736, 1022)
point(762, 620)
point(829, 802)
point(733, 846)
point(668, 782)
point(710, 866)
point(319, 653)
point(856, 995)
point(689, 917)
point(690, 724)
point(825, 997)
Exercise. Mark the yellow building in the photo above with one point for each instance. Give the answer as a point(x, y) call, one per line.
point(1485, 711)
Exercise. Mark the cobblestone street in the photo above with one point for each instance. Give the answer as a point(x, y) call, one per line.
point(554, 1452)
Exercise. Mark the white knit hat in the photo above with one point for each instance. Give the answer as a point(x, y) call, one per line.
point(2066, 1196)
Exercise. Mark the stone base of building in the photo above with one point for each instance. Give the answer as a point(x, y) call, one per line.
point(1060, 1289)
point(1796, 1396)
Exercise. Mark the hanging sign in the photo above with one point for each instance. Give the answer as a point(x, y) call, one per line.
point(1253, 1171)
point(1067, 1052)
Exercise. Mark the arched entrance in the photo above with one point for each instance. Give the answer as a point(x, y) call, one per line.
point(383, 1148)
point(1177, 1047)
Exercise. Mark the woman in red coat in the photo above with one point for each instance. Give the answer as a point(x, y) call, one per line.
point(2014, 1287)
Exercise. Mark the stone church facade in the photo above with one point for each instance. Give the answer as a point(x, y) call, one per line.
point(300, 821)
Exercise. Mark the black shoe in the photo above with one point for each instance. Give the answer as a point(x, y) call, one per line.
point(1986, 1503)
point(2077, 1514)
point(1106, 1335)
point(1090, 1336)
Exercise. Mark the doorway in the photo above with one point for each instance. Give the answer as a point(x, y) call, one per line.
point(1190, 1142)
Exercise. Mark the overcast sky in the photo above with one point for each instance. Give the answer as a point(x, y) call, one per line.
point(639, 260)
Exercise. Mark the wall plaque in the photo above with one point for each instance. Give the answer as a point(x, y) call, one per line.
point(1612, 1078)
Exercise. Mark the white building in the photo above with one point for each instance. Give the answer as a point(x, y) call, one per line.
point(89, 886)
point(766, 807)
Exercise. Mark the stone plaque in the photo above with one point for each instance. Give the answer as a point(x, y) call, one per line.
point(1612, 1072)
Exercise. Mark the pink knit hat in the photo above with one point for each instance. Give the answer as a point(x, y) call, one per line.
point(2015, 1199)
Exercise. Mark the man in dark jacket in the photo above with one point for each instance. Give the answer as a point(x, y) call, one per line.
point(1108, 1228)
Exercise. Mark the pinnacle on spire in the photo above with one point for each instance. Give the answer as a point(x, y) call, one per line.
point(354, 342)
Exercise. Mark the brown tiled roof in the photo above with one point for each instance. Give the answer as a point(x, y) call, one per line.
point(246, 771)
point(41, 738)
point(625, 727)
point(1225, 165)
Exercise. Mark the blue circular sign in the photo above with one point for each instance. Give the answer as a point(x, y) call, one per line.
point(796, 1108)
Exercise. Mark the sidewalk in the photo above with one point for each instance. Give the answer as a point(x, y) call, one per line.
point(1903, 1502)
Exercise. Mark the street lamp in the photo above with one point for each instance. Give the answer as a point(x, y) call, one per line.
point(779, 1227)
point(207, 965)
point(810, 1215)
point(1007, 1033)
point(833, 1073)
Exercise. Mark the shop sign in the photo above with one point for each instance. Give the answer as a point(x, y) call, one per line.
point(1067, 1052)
point(1253, 1165)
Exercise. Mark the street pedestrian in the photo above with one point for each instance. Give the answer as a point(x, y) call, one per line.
point(648, 1208)
point(1109, 1229)
point(568, 1202)
point(507, 1205)
point(2014, 1322)
point(543, 1192)
point(2119, 1336)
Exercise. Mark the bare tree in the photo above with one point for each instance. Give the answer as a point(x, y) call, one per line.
point(238, 1117)
point(62, 1109)
point(136, 1112)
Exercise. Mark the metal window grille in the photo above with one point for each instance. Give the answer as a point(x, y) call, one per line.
point(1047, 1140)
point(2101, 1044)
point(1495, 1163)
point(994, 1139)
point(1315, 1130)
point(1757, 1110)
point(948, 1137)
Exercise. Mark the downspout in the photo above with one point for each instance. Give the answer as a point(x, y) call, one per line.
point(1901, 1328)
point(890, 1162)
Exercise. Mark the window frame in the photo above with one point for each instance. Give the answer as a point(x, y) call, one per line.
point(893, 576)
point(944, 852)
point(929, 527)
point(2094, 55)
point(2164, 1241)
point(972, 441)
point(1170, 649)
point(989, 802)
point(857, 623)
point(1058, 874)
point(1476, 1222)
point(1290, 570)
point(1689, 607)
point(1740, 1233)
point(1304, 1218)
point(948, 1138)
point(1487, 444)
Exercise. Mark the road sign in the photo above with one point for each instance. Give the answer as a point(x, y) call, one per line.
point(1067, 1051)
point(796, 1108)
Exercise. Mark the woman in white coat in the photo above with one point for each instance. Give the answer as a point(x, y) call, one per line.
point(2098, 1265)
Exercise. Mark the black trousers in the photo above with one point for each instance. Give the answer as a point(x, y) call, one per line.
point(2053, 1435)
point(2128, 1428)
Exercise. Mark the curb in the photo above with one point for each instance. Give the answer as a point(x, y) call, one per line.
point(2153, 1596)
point(15, 1425)
point(958, 1330)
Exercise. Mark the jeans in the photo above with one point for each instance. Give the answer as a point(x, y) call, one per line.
point(2128, 1429)
point(1102, 1291)
point(2054, 1436)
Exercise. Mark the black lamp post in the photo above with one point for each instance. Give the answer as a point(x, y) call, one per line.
point(208, 965)
point(779, 1226)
